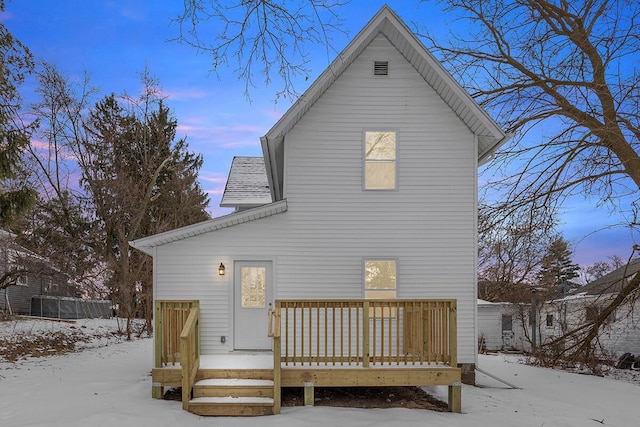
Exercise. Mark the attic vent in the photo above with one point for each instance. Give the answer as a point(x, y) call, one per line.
point(381, 68)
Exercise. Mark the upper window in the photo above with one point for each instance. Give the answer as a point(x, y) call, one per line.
point(380, 160)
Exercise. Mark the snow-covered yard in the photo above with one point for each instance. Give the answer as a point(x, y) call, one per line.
point(109, 384)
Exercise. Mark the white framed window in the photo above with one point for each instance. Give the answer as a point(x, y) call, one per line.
point(507, 323)
point(549, 320)
point(253, 287)
point(380, 282)
point(380, 160)
point(22, 280)
point(15, 266)
point(46, 288)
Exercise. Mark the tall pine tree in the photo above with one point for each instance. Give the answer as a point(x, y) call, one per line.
point(557, 270)
point(137, 179)
point(141, 181)
point(15, 62)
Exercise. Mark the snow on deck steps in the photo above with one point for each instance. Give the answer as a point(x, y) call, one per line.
point(233, 391)
point(233, 387)
point(230, 399)
point(234, 382)
point(231, 406)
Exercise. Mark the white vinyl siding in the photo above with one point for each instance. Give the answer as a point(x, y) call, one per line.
point(318, 245)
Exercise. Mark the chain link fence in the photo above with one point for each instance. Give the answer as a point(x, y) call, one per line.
point(70, 308)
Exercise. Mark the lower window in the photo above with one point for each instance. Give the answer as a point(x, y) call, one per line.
point(380, 282)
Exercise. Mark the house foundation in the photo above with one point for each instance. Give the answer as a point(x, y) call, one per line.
point(468, 371)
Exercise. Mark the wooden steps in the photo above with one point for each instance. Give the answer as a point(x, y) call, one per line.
point(232, 393)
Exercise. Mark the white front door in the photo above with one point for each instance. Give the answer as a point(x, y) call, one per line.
point(252, 301)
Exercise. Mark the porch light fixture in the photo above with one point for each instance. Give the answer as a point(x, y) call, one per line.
point(221, 269)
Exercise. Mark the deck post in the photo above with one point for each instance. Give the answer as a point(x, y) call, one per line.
point(453, 335)
point(157, 391)
point(455, 389)
point(309, 397)
point(277, 359)
point(365, 334)
point(455, 397)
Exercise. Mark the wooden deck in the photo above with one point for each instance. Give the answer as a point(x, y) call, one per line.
point(317, 343)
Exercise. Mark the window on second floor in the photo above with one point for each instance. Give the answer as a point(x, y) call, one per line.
point(380, 160)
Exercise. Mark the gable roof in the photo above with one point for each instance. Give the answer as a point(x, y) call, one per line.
point(386, 22)
point(244, 185)
point(146, 244)
point(13, 249)
point(247, 184)
point(613, 281)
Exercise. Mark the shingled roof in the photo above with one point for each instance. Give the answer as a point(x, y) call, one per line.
point(247, 185)
point(613, 281)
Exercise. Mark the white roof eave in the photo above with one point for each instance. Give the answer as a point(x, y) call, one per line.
point(146, 244)
point(389, 24)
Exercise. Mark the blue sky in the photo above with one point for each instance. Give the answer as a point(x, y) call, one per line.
point(114, 40)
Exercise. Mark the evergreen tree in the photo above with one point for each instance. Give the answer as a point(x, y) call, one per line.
point(557, 269)
point(141, 181)
point(137, 179)
point(15, 62)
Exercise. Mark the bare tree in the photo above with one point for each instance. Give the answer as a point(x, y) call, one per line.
point(61, 227)
point(258, 37)
point(135, 178)
point(568, 70)
point(510, 253)
point(599, 268)
point(580, 343)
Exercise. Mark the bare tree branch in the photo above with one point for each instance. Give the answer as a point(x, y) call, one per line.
point(567, 70)
point(270, 38)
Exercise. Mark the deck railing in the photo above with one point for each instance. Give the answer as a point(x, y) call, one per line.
point(365, 332)
point(189, 354)
point(170, 318)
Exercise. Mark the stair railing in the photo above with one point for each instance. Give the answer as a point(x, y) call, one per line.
point(190, 354)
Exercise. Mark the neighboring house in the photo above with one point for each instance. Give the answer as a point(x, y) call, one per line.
point(500, 326)
point(621, 334)
point(40, 277)
point(366, 196)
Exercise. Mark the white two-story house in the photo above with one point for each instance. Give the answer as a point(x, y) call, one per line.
point(366, 192)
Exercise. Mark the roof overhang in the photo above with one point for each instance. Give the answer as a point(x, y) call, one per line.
point(147, 244)
point(489, 135)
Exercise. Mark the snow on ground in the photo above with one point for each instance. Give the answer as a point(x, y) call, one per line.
point(111, 386)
